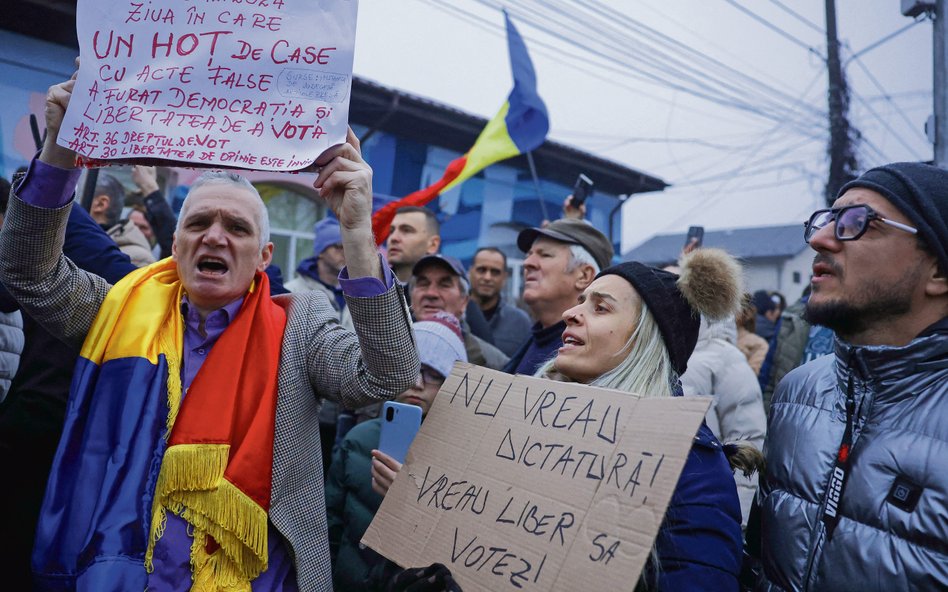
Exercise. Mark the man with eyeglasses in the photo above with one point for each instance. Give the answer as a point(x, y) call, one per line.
point(856, 492)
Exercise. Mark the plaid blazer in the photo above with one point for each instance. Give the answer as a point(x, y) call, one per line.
point(319, 359)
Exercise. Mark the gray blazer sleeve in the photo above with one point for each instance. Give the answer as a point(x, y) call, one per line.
point(61, 297)
point(375, 363)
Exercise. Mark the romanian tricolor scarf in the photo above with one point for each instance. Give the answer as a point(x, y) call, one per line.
point(132, 449)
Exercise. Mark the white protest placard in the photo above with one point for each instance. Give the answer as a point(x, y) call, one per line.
point(524, 483)
point(255, 84)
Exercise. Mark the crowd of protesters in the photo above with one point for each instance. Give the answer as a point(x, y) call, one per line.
point(821, 464)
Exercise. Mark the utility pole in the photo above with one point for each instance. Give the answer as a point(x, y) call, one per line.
point(940, 45)
point(842, 159)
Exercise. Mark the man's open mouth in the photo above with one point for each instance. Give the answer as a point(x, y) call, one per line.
point(212, 265)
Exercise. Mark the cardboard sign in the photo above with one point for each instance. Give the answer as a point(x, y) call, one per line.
point(518, 482)
point(255, 84)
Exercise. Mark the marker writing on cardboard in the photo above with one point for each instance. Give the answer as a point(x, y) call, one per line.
point(474, 554)
point(130, 90)
point(548, 409)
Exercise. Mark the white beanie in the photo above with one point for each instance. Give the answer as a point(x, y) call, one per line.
point(439, 343)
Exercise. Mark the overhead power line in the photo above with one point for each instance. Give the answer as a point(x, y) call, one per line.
point(876, 44)
point(613, 74)
point(775, 28)
point(641, 51)
point(915, 128)
point(799, 17)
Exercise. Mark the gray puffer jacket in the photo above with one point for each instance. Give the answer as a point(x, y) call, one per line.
point(892, 532)
point(11, 345)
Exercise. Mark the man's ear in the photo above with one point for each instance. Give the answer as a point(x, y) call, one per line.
point(174, 246)
point(434, 243)
point(937, 283)
point(266, 257)
point(587, 274)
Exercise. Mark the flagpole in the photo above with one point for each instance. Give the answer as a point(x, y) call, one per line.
point(536, 185)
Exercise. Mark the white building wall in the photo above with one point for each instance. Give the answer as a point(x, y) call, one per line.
point(789, 276)
point(796, 275)
point(761, 275)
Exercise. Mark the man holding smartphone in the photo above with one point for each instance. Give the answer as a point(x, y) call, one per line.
point(360, 475)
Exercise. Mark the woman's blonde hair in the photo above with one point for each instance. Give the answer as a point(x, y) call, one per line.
point(646, 369)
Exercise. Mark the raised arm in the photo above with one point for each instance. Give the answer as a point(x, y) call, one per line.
point(383, 361)
point(63, 298)
point(345, 182)
point(159, 212)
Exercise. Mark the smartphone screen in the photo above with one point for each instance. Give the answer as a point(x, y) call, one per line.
point(582, 189)
point(695, 232)
point(400, 423)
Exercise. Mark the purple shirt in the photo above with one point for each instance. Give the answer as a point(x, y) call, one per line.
point(172, 558)
point(51, 187)
point(48, 186)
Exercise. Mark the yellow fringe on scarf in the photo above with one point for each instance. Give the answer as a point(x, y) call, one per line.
point(191, 484)
point(191, 479)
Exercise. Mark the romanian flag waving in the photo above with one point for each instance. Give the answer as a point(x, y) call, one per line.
point(520, 126)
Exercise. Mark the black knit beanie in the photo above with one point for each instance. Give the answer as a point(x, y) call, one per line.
point(677, 321)
point(920, 191)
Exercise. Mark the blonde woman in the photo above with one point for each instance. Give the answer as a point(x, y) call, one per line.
point(634, 329)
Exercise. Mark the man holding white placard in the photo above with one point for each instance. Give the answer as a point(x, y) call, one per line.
point(190, 454)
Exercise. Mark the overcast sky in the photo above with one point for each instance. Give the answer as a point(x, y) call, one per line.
point(727, 105)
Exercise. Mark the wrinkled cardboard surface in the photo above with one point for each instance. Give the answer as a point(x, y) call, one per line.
point(503, 486)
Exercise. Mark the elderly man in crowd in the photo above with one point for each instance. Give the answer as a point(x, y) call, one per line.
point(508, 324)
point(857, 446)
point(416, 233)
point(190, 450)
point(439, 283)
point(563, 258)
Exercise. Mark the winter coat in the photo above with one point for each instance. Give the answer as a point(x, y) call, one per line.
point(301, 283)
point(11, 345)
point(893, 508)
point(791, 340)
point(699, 542)
point(754, 347)
point(132, 242)
point(718, 369)
point(510, 327)
point(351, 505)
point(482, 353)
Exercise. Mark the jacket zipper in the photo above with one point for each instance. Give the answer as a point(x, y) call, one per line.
point(857, 424)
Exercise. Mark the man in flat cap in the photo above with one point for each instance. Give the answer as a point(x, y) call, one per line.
point(562, 259)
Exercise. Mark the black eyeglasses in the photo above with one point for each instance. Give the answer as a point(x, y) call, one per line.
point(851, 222)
